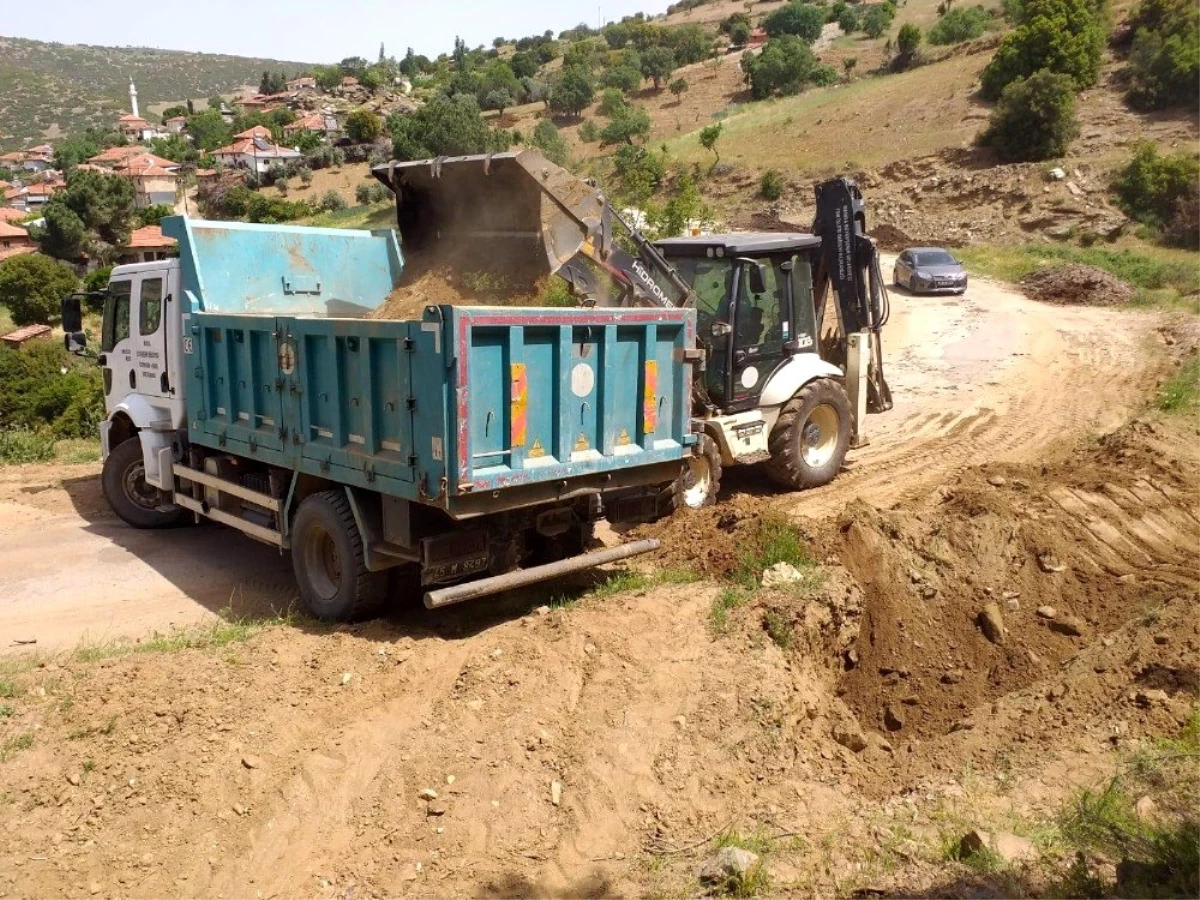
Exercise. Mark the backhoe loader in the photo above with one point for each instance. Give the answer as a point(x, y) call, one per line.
point(785, 378)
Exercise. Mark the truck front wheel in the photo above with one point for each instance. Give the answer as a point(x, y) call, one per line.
point(130, 496)
point(809, 442)
point(327, 557)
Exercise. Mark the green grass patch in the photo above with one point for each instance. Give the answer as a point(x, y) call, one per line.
point(776, 540)
point(5, 711)
point(1161, 275)
point(10, 689)
point(1181, 393)
point(19, 446)
point(15, 745)
point(73, 451)
point(778, 628)
point(637, 580)
point(214, 635)
point(728, 600)
point(374, 215)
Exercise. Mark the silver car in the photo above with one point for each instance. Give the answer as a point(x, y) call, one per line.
point(929, 270)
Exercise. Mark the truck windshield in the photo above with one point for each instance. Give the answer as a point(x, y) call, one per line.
point(711, 279)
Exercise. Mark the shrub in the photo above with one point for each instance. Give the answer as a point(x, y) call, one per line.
point(1161, 191)
point(32, 286)
point(908, 40)
point(1034, 118)
point(877, 19)
point(709, 135)
point(770, 186)
point(589, 131)
point(612, 103)
point(785, 66)
point(639, 172)
point(19, 446)
point(849, 20)
point(678, 87)
point(964, 23)
point(45, 389)
point(1065, 36)
point(331, 201)
point(801, 19)
point(572, 91)
point(363, 126)
point(260, 208)
point(276, 172)
point(306, 175)
point(657, 64)
point(1164, 61)
point(370, 192)
point(631, 122)
point(547, 139)
point(740, 33)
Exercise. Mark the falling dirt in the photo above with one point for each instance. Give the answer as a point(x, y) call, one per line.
point(432, 288)
point(1077, 284)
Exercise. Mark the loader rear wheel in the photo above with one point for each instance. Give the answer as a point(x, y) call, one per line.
point(809, 442)
point(327, 557)
point(124, 482)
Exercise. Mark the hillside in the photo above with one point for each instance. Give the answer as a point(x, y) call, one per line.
point(48, 90)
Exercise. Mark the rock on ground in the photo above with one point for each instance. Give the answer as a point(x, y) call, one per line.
point(728, 862)
point(1009, 847)
point(781, 574)
point(991, 622)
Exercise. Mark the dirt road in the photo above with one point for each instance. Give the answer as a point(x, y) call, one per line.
point(991, 376)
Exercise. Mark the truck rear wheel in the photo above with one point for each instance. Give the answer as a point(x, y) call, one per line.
point(130, 496)
point(809, 442)
point(700, 482)
point(328, 559)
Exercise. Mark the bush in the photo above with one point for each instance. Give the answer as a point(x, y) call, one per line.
point(631, 122)
point(709, 136)
point(444, 127)
point(770, 186)
point(370, 192)
point(639, 173)
point(1161, 191)
point(19, 446)
point(1034, 118)
point(625, 77)
point(331, 201)
point(589, 131)
point(45, 389)
point(32, 286)
point(849, 20)
point(657, 64)
point(260, 208)
point(908, 40)
point(305, 174)
point(964, 23)
point(739, 33)
point(276, 172)
point(801, 19)
point(547, 139)
point(1164, 61)
point(785, 66)
point(612, 103)
point(678, 87)
point(572, 91)
point(363, 126)
point(1064, 36)
point(877, 19)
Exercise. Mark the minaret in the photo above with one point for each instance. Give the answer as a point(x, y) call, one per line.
point(132, 98)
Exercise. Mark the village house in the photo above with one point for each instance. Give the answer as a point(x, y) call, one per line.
point(255, 154)
point(32, 196)
point(147, 244)
point(14, 240)
point(324, 124)
point(304, 83)
point(175, 124)
point(153, 185)
point(35, 159)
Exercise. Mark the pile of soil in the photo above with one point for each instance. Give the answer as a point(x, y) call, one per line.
point(1077, 284)
point(431, 288)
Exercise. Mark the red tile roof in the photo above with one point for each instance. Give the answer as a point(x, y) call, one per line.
point(257, 131)
point(8, 214)
point(149, 237)
point(131, 119)
point(44, 189)
point(12, 231)
point(141, 160)
point(148, 172)
point(116, 154)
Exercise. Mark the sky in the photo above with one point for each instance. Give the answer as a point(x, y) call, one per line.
point(314, 31)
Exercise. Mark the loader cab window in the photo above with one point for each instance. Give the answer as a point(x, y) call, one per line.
point(116, 315)
point(711, 279)
point(761, 317)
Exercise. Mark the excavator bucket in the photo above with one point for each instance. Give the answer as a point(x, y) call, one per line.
point(501, 212)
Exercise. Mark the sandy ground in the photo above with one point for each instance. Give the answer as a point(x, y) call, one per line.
point(987, 377)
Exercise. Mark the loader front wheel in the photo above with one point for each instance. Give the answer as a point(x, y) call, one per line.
point(328, 559)
point(809, 442)
point(124, 482)
point(700, 482)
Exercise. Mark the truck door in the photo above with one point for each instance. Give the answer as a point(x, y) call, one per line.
point(116, 346)
point(148, 335)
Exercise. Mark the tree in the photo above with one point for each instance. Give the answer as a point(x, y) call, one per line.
point(709, 135)
point(626, 76)
point(62, 233)
point(216, 102)
point(848, 66)
point(572, 91)
point(1064, 36)
point(523, 65)
point(801, 19)
point(101, 203)
point(32, 286)
point(908, 42)
point(740, 33)
point(876, 20)
point(678, 87)
point(152, 215)
point(173, 111)
point(272, 83)
point(786, 65)
point(444, 127)
point(547, 139)
point(691, 43)
point(589, 131)
point(732, 21)
point(327, 77)
point(657, 64)
point(363, 125)
point(331, 201)
point(208, 130)
point(74, 149)
point(499, 100)
point(1155, 189)
point(499, 79)
point(629, 122)
point(964, 23)
point(372, 78)
point(1164, 60)
point(612, 102)
point(771, 185)
point(849, 20)
point(1034, 118)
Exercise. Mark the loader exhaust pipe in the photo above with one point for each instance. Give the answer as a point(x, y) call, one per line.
point(459, 593)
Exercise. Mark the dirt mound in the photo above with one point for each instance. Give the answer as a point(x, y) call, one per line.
point(1077, 284)
point(432, 288)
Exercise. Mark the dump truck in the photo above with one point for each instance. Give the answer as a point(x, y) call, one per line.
point(469, 451)
point(789, 324)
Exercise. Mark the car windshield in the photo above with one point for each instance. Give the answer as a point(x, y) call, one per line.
point(934, 258)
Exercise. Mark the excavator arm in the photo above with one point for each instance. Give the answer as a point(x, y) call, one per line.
point(849, 264)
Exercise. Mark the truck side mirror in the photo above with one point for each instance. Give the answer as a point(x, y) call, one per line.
point(75, 342)
point(72, 314)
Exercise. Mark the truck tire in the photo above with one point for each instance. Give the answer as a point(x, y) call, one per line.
point(700, 482)
point(327, 557)
point(809, 442)
point(123, 480)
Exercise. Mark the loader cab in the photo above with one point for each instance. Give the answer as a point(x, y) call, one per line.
point(754, 303)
